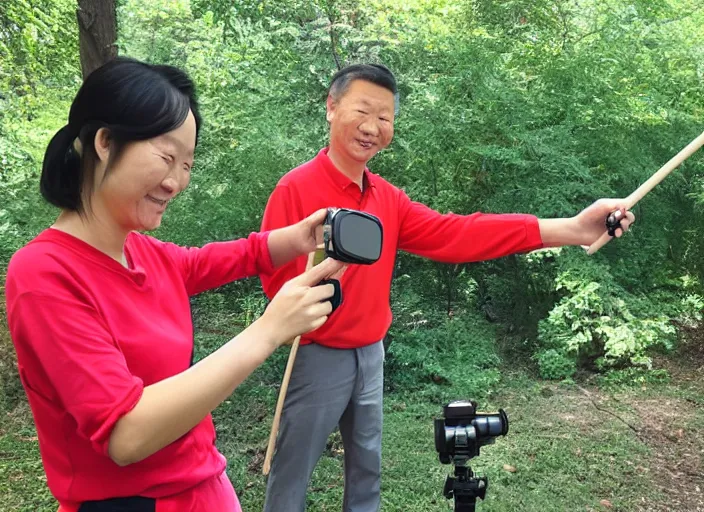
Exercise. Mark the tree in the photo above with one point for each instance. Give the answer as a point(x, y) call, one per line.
point(97, 26)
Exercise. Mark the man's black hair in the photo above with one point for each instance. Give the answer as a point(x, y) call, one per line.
point(374, 73)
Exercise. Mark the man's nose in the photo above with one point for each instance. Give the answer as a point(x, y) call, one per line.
point(370, 128)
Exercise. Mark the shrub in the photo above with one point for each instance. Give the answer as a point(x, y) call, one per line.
point(593, 323)
point(556, 365)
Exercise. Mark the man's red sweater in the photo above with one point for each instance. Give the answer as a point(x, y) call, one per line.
point(365, 315)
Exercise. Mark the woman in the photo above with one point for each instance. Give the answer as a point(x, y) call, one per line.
point(99, 314)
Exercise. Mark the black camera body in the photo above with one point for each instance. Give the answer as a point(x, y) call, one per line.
point(352, 236)
point(463, 430)
point(459, 435)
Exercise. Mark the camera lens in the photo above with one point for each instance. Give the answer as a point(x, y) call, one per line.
point(492, 424)
point(360, 236)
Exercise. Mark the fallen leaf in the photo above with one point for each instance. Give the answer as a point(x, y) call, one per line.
point(605, 503)
point(509, 468)
point(399, 406)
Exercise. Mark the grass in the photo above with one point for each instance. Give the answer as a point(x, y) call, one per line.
point(600, 445)
point(564, 454)
point(22, 481)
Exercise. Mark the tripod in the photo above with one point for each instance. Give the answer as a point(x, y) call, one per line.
point(464, 488)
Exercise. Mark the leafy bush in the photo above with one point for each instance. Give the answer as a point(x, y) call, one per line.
point(457, 353)
point(556, 365)
point(593, 323)
point(634, 375)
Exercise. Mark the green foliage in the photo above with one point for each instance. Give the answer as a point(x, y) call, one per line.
point(556, 365)
point(443, 357)
point(38, 46)
point(628, 377)
point(228, 309)
point(530, 106)
point(23, 212)
point(10, 387)
point(594, 323)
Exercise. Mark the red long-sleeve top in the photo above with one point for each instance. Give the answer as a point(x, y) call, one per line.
point(90, 334)
point(365, 315)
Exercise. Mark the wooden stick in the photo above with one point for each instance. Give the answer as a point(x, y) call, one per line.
point(282, 392)
point(646, 187)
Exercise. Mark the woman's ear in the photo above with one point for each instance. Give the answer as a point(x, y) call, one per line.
point(102, 144)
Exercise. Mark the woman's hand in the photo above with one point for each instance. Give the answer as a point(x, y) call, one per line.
point(301, 306)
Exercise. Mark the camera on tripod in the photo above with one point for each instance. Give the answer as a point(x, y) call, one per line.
point(459, 435)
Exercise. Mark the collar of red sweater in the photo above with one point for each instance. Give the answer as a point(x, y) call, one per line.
point(337, 176)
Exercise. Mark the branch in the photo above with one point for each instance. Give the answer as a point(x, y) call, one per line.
point(680, 18)
point(657, 24)
point(333, 38)
point(632, 427)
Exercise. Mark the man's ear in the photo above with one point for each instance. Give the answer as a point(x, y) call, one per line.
point(331, 105)
point(101, 144)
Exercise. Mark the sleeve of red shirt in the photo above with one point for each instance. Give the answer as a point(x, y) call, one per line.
point(218, 263)
point(281, 211)
point(66, 353)
point(452, 238)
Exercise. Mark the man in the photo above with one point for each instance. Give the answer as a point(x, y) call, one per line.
point(338, 375)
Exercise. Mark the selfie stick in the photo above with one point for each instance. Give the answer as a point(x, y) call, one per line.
point(646, 187)
point(282, 391)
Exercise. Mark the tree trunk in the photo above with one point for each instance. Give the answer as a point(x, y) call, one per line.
point(97, 28)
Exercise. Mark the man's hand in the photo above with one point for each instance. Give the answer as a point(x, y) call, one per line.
point(587, 226)
point(311, 231)
point(298, 239)
point(591, 222)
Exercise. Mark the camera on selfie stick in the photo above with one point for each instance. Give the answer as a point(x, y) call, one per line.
point(458, 436)
point(352, 236)
point(349, 236)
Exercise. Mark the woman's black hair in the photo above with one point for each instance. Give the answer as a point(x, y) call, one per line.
point(134, 101)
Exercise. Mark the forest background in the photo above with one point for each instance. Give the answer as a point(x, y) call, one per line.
point(535, 106)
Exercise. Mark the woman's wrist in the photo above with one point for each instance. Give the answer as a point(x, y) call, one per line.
point(266, 333)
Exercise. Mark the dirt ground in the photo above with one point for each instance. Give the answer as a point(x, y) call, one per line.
point(673, 427)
